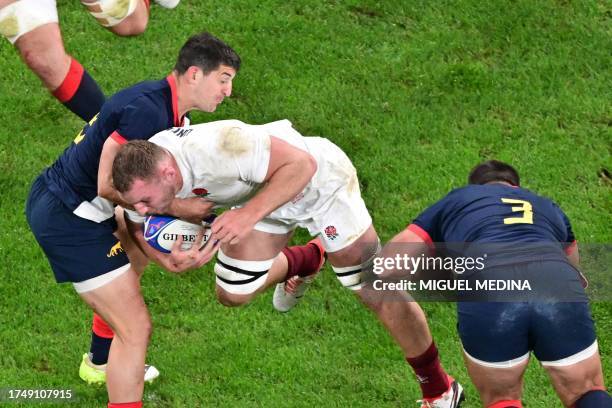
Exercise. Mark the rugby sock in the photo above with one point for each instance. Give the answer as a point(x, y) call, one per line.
point(430, 374)
point(507, 404)
point(101, 339)
point(594, 399)
point(302, 260)
point(137, 404)
point(79, 92)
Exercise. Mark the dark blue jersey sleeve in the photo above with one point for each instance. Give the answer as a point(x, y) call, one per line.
point(568, 239)
point(431, 219)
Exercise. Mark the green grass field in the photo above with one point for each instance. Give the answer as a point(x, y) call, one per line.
point(415, 92)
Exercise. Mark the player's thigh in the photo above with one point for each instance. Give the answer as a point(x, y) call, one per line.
point(258, 245)
point(120, 303)
point(573, 380)
point(244, 269)
point(496, 383)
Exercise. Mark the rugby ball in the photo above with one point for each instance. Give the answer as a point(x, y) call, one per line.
point(161, 231)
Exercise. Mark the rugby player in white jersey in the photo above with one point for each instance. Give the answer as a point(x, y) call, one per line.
point(275, 180)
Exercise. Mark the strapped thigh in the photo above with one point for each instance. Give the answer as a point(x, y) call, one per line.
point(23, 16)
point(240, 277)
point(109, 13)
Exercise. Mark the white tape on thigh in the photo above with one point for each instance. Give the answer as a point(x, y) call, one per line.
point(241, 277)
point(354, 277)
point(109, 13)
point(23, 16)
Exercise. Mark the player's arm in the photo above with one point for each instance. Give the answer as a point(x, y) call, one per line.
point(177, 261)
point(289, 171)
point(105, 170)
point(192, 209)
point(412, 242)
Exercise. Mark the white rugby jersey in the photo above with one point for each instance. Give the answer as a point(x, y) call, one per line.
point(228, 167)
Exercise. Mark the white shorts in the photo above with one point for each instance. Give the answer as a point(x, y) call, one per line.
point(23, 16)
point(332, 209)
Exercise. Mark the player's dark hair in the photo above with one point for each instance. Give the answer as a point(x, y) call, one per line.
point(135, 159)
point(206, 52)
point(493, 170)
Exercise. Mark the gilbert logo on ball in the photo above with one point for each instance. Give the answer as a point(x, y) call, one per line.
point(161, 231)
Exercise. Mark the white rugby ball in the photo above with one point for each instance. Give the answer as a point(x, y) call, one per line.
point(161, 231)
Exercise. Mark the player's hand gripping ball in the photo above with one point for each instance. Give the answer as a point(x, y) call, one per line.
point(161, 231)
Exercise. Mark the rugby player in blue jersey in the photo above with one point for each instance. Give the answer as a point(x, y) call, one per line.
point(534, 240)
point(33, 27)
point(71, 210)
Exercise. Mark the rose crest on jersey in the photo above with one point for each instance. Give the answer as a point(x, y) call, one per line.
point(330, 232)
point(200, 192)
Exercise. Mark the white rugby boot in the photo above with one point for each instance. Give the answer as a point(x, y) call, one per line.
point(287, 294)
point(452, 398)
point(96, 374)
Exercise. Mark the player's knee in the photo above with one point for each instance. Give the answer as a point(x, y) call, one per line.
point(231, 300)
point(355, 277)
point(123, 17)
point(131, 26)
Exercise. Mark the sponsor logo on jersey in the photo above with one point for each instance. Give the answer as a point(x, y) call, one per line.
point(200, 192)
point(330, 232)
point(115, 250)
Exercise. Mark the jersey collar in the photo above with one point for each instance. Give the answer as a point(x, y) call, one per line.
point(174, 92)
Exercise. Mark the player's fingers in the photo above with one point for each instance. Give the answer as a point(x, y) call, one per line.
point(207, 256)
point(176, 247)
point(218, 223)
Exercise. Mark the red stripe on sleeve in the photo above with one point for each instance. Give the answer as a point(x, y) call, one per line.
point(571, 247)
point(118, 138)
point(424, 235)
point(71, 82)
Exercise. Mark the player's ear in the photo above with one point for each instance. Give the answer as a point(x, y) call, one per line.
point(192, 73)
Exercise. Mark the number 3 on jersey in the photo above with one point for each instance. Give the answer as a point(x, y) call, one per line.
point(523, 207)
point(79, 138)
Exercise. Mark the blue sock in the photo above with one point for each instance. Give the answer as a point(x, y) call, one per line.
point(100, 346)
point(594, 399)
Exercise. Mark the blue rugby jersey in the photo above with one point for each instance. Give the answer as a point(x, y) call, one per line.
point(534, 227)
point(137, 112)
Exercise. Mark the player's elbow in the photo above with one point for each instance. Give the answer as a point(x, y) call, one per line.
point(106, 192)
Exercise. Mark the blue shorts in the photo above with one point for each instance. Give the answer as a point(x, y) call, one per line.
point(502, 334)
point(77, 249)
